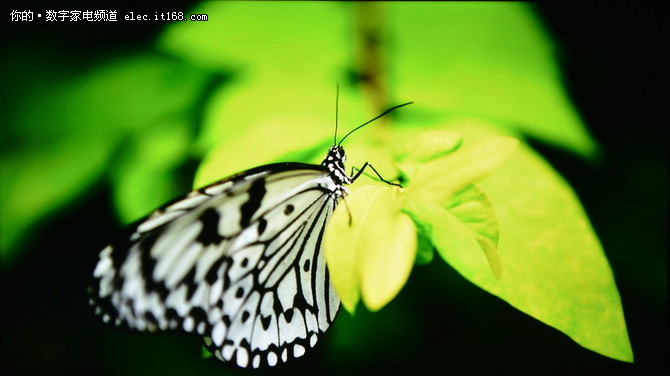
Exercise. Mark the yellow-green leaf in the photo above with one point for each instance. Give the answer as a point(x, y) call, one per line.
point(554, 266)
point(340, 245)
point(424, 247)
point(473, 207)
point(370, 247)
point(448, 233)
point(424, 147)
point(431, 144)
point(234, 125)
point(440, 178)
point(386, 248)
point(555, 269)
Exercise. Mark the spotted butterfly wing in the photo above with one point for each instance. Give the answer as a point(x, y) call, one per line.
point(239, 262)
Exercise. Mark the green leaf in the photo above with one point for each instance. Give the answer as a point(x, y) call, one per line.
point(424, 147)
point(448, 232)
point(371, 256)
point(554, 266)
point(264, 104)
point(60, 150)
point(36, 182)
point(489, 59)
point(440, 178)
point(145, 173)
point(424, 247)
point(471, 205)
point(234, 124)
point(386, 248)
point(205, 353)
point(474, 209)
point(431, 144)
point(287, 38)
point(340, 245)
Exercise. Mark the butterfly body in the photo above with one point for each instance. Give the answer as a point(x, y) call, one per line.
point(239, 262)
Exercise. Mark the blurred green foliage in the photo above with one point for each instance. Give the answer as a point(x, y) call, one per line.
point(67, 128)
point(135, 119)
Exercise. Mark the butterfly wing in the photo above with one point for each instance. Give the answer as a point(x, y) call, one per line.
point(239, 262)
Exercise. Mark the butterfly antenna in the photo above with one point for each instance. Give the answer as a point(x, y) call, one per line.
point(370, 121)
point(337, 107)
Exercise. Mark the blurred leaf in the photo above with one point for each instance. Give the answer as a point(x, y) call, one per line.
point(486, 59)
point(424, 247)
point(356, 339)
point(60, 150)
point(144, 176)
point(286, 38)
point(35, 182)
point(125, 93)
point(244, 136)
point(204, 353)
point(285, 69)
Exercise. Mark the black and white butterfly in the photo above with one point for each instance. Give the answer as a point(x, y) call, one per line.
point(238, 262)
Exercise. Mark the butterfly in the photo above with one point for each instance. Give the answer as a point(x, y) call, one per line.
point(239, 262)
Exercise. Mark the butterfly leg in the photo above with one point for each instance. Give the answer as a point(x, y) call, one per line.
point(344, 199)
point(360, 171)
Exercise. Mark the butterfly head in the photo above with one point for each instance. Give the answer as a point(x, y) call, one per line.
point(334, 161)
point(336, 157)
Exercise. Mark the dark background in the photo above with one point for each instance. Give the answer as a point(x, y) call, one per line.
point(615, 69)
